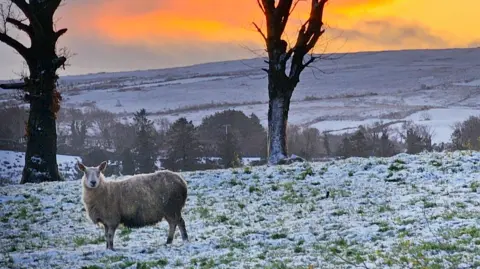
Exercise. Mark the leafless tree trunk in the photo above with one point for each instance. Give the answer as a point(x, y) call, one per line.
point(282, 82)
point(35, 18)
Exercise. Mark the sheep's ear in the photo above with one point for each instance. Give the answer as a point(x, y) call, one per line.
point(81, 166)
point(102, 166)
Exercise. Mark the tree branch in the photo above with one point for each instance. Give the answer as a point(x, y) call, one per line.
point(307, 38)
point(19, 47)
point(282, 13)
point(260, 31)
point(59, 33)
point(294, 6)
point(261, 6)
point(60, 61)
point(23, 6)
point(289, 54)
point(268, 6)
point(21, 26)
point(55, 4)
point(52, 5)
point(310, 61)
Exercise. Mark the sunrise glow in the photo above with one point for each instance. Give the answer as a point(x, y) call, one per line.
point(124, 34)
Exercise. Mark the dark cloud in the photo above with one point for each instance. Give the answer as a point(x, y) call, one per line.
point(389, 34)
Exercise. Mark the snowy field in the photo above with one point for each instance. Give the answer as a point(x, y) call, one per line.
point(336, 94)
point(399, 212)
point(12, 163)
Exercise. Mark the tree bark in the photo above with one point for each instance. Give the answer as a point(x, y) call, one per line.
point(41, 155)
point(278, 107)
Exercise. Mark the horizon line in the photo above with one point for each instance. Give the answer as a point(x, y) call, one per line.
point(246, 59)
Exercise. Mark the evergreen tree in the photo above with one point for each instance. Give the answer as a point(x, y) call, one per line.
point(145, 148)
point(183, 146)
point(359, 144)
point(457, 141)
point(249, 132)
point(230, 150)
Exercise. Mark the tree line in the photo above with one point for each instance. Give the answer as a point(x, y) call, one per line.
point(144, 143)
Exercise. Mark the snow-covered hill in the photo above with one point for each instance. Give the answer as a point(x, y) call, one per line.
point(12, 163)
point(399, 212)
point(335, 94)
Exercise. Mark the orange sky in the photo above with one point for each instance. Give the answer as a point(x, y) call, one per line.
point(226, 21)
point(181, 32)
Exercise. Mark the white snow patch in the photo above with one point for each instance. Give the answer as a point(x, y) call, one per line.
point(382, 208)
point(12, 163)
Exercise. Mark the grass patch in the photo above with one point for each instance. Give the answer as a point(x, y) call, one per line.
point(152, 264)
point(83, 240)
point(278, 236)
point(307, 172)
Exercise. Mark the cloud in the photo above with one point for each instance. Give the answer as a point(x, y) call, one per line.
point(360, 3)
point(391, 34)
point(153, 22)
point(94, 55)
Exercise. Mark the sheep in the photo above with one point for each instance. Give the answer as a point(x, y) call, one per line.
point(138, 201)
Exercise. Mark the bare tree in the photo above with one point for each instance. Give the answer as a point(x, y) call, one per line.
point(35, 19)
point(417, 137)
point(282, 82)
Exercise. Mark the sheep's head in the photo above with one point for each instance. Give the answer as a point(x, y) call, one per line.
point(92, 176)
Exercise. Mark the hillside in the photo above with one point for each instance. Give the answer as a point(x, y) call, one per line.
point(394, 212)
point(433, 87)
point(12, 163)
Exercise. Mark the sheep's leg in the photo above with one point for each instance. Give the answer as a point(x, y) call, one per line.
point(183, 229)
point(172, 225)
point(109, 234)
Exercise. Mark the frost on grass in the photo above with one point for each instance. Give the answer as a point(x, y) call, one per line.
point(400, 212)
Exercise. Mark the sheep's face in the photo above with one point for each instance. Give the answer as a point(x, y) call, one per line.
point(92, 176)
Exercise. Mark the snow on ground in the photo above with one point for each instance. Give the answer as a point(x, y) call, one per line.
point(353, 88)
point(11, 166)
point(441, 122)
point(473, 83)
point(398, 212)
